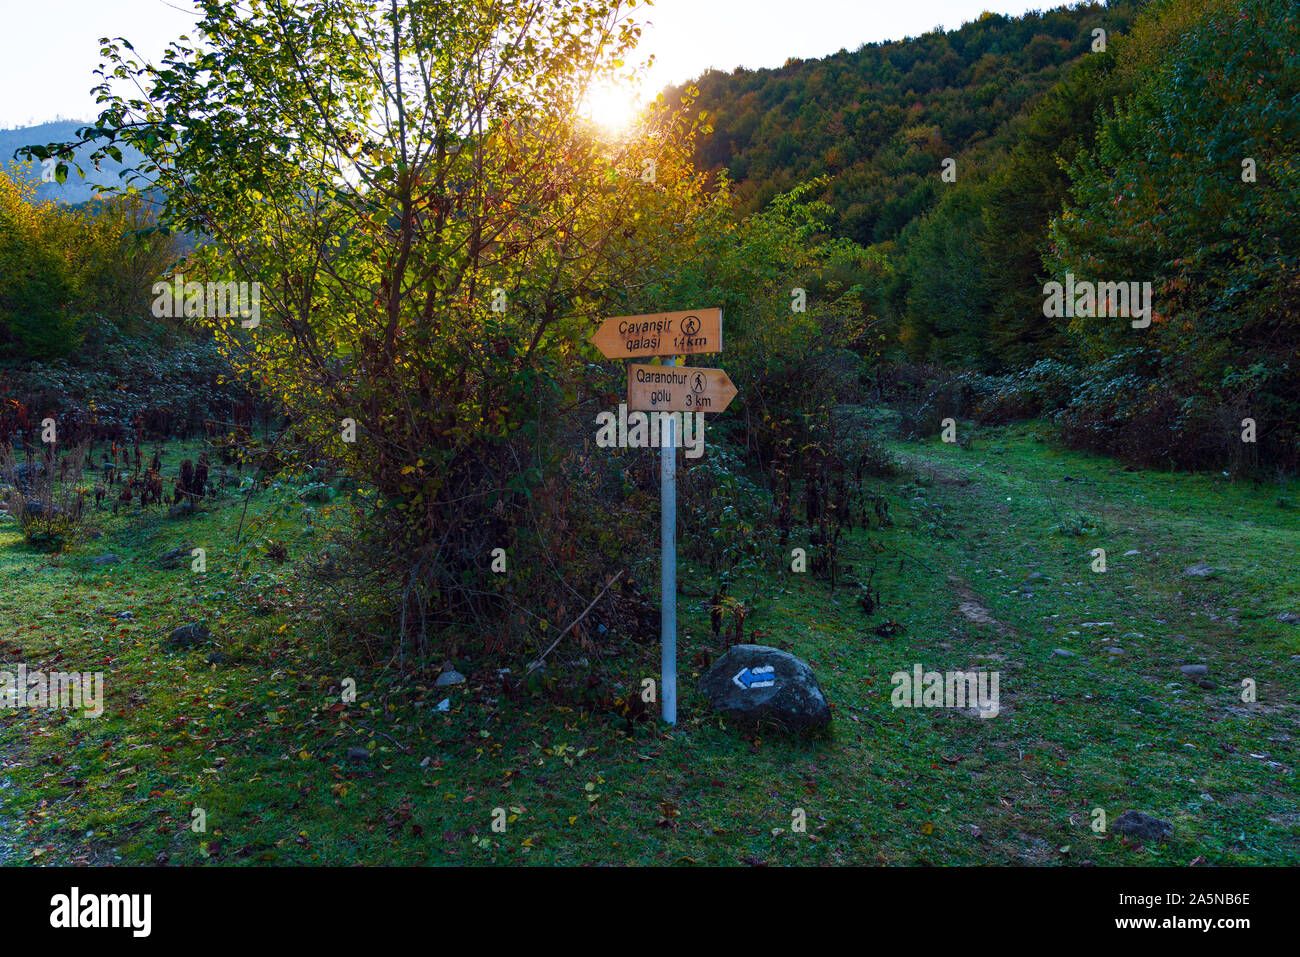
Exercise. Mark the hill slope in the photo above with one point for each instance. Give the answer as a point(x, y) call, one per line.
point(879, 121)
point(74, 189)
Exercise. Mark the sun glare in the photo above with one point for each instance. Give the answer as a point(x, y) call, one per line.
point(613, 106)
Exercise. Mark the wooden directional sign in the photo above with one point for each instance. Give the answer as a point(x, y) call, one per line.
point(677, 389)
point(692, 332)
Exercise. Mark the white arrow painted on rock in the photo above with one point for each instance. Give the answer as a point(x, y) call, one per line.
point(760, 677)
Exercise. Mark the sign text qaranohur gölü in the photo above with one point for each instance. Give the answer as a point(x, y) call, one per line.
point(677, 389)
point(690, 332)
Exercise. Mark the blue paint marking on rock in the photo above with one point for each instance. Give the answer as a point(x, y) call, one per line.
point(759, 677)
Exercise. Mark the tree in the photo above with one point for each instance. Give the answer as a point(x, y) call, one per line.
point(432, 231)
point(38, 287)
point(1024, 194)
point(1191, 185)
point(946, 307)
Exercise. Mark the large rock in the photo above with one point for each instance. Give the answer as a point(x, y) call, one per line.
point(187, 636)
point(181, 510)
point(1142, 827)
point(759, 683)
point(176, 557)
point(34, 508)
point(24, 474)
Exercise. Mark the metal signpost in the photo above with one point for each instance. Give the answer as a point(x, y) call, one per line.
point(668, 388)
point(668, 566)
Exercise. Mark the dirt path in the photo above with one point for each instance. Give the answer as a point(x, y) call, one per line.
point(1162, 679)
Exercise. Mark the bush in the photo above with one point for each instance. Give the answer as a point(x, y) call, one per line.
point(1219, 247)
point(46, 495)
point(121, 386)
point(1043, 389)
point(1119, 406)
point(60, 267)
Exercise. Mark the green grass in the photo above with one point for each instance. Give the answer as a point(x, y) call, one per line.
point(260, 743)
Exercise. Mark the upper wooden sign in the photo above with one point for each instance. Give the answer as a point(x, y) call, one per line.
point(691, 332)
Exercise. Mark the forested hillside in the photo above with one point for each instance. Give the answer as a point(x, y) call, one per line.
point(1131, 142)
point(879, 121)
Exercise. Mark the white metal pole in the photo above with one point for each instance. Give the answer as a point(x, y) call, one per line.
point(668, 561)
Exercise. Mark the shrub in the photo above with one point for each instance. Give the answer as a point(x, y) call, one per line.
point(46, 495)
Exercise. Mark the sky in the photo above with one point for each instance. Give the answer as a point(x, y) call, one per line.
point(49, 49)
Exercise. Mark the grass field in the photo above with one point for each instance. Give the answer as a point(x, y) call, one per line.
point(986, 562)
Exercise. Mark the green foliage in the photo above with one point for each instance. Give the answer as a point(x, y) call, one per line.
point(60, 267)
point(123, 252)
point(37, 282)
point(946, 314)
point(878, 121)
point(1078, 526)
point(1130, 169)
point(1160, 197)
point(1023, 195)
point(727, 510)
point(119, 385)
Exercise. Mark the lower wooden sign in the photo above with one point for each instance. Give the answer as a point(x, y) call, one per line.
point(677, 389)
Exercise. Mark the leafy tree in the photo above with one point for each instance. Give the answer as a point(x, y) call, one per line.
point(1164, 195)
point(945, 316)
point(124, 252)
point(60, 266)
point(37, 278)
point(1024, 194)
point(433, 234)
